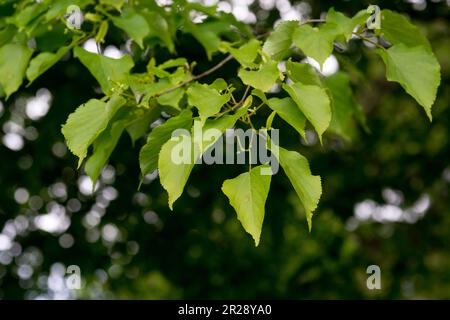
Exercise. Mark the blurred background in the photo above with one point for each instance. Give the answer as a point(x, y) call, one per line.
point(385, 200)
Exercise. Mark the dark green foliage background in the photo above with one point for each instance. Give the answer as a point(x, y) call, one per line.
point(201, 251)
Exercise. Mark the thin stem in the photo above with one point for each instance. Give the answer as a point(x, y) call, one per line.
point(247, 89)
point(369, 40)
point(197, 77)
point(309, 21)
point(245, 95)
point(313, 21)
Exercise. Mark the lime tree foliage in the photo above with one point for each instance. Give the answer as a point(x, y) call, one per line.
point(273, 80)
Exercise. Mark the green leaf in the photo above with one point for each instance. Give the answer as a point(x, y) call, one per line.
point(270, 119)
point(208, 101)
point(134, 24)
point(6, 34)
point(106, 70)
point(397, 29)
point(104, 145)
point(85, 124)
point(416, 69)
point(209, 39)
point(316, 43)
point(148, 156)
point(260, 95)
point(141, 124)
point(262, 79)
point(219, 85)
point(27, 16)
point(159, 28)
point(102, 32)
point(246, 54)
point(13, 71)
point(178, 62)
point(307, 186)
point(247, 194)
point(344, 24)
point(223, 123)
point(140, 83)
point(116, 4)
point(314, 102)
point(278, 44)
point(302, 72)
point(59, 8)
point(287, 109)
point(173, 176)
point(171, 99)
point(44, 61)
point(344, 106)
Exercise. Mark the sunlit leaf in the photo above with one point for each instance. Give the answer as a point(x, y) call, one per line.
point(148, 157)
point(288, 110)
point(314, 103)
point(279, 42)
point(247, 194)
point(307, 186)
point(417, 71)
point(262, 79)
point(12, 72)
point(85, 124)
point(208, 101)
point(106, 70)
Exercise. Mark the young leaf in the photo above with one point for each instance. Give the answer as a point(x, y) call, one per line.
point(178, 62)
point(171, 99)
point(262, 79)
point(219, 85)
point(247, 194)
point(397, 29)
point(289, 112)
point(173, 175)
point(105, 70)
point(246, 54)
point(133, 24)
point(279, 42)
point(314, 102)
point(148, 156)
point(12, 72)
point(208, 101)
point(44, 61)
point(307, 186)
point(104, 145)
point(302, 72)
point(102, 32)
point(223, 123)
point(85, 124)
point(345, 25)
point(416, 69)
point(316, 43)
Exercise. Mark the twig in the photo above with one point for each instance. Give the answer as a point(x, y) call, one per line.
point(201, 75)
point(237, 105)
point(309, 21)
point(369, 40)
